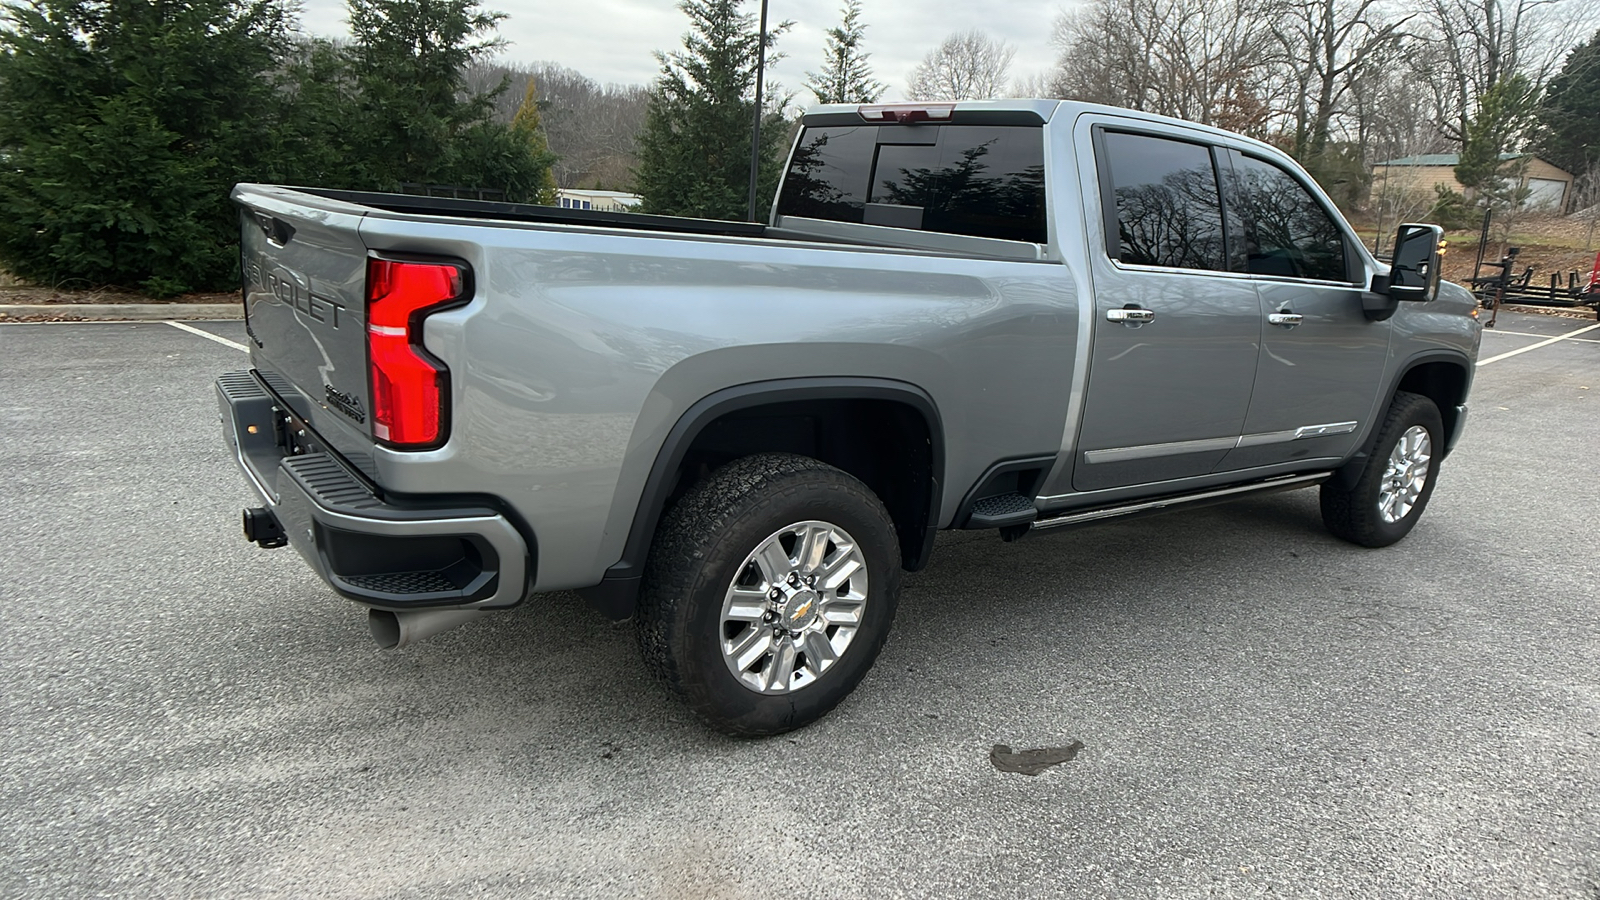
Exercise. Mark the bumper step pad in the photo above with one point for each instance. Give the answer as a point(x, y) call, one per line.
point(1002, 510)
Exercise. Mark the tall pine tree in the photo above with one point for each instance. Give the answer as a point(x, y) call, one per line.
point(694, 153)
point(1571, 112)
point(525, 125)
point(414, 117)
point(1506, 113)
point(845, 75)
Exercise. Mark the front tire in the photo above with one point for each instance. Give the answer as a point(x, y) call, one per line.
point(1397, 480)
point(769, 591)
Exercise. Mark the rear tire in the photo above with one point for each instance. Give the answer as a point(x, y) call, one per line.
point(1394, 486)
point(769, 591)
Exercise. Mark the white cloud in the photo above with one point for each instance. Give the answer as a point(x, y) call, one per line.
point(614, 40)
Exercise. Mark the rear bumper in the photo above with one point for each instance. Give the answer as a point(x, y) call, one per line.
point(374, 550)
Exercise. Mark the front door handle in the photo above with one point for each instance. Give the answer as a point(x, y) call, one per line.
point(1133, 316)
point(1286, 319)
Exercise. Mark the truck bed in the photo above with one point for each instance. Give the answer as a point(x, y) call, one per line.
point(789, 228)
point(410, 204)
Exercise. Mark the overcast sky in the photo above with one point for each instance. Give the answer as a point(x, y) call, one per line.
point(613, 40)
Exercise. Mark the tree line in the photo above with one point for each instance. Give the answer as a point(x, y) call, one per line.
point(1339, 84)
point(124, 123)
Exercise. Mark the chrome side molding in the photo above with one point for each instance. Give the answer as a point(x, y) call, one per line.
point(1311, 431)
point(1204, 445)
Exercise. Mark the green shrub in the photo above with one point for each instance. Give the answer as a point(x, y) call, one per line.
point(1452, 211)
point(123, 126)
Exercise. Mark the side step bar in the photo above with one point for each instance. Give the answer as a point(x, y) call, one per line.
point(1200, 498)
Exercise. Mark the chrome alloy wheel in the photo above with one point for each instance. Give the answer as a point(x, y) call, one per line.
point(1405, 475)
point(794, 607)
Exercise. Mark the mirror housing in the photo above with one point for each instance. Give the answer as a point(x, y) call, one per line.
point(1414, 271)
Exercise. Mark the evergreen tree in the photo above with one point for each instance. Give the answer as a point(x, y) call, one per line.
point(123, 126)
point(1571, 110)
point(525, 124)
point(845, 75)
point(414, 120)
point(1505, 115)
point(318, 146)
point(694, 153)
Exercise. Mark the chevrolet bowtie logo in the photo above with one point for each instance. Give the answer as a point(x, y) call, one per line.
point(802, 610)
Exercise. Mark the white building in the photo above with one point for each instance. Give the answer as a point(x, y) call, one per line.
point(604, 201)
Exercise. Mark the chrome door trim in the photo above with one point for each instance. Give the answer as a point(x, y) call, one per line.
point(1266, 437)
point(1311, 431)
point(1149, 451)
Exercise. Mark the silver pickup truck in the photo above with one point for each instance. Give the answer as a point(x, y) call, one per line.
point(1008, 315)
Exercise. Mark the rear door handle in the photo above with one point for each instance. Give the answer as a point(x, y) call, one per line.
point(1130, 316)
point(1286, 319)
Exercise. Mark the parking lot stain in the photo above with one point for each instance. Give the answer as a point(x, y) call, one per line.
point(1032, 762)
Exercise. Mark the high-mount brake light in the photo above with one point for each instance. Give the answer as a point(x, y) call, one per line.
point(408, 384)
point(902, 114)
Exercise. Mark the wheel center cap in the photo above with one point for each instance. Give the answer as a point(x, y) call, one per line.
point(799, 610)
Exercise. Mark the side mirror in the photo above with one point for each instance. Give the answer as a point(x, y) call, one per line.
point(1414, 273)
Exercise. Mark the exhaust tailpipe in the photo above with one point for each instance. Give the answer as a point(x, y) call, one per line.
point(393, 630)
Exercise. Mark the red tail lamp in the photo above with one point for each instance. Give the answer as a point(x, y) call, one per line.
point(409, 386)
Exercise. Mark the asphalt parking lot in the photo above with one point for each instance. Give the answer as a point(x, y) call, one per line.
point(1264, 710)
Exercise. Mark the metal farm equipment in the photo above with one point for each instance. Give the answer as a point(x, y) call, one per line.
point(1505, 286)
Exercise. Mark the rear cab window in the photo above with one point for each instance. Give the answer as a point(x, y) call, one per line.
point(976, 180)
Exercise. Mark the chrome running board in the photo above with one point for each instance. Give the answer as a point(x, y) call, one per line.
point(1083, 517)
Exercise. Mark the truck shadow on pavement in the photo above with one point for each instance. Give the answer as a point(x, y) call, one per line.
point(558, 675)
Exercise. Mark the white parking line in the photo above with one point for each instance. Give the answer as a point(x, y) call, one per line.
point(222, 340)
point(1544, 343)
point(1531, 334)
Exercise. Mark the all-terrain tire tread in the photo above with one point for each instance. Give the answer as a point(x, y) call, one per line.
point(1351, 514)
point(680, 546)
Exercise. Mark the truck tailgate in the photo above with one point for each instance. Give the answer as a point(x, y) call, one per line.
point(304, 267)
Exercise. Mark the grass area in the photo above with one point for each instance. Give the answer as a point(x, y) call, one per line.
point(1550, 244)
point(15, 290)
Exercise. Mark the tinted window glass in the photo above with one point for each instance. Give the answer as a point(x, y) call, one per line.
point(986, 181)
point(1287, 232)
point(1168, 209)
point(828, 175)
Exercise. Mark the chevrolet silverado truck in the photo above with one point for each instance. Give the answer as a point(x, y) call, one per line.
point(1006, 315)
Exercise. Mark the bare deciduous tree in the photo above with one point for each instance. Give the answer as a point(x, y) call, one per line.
point(591, 127)
point(1586, 201)
point(1472, 45)
point(969, 65)
point(1039, 84)
point(1328, 45)
point(1206, 61)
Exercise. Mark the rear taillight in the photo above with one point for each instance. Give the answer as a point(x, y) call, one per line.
point(409, 386)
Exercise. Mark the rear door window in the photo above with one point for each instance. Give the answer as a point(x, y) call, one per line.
point(979, 180)
point(1166, 204)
